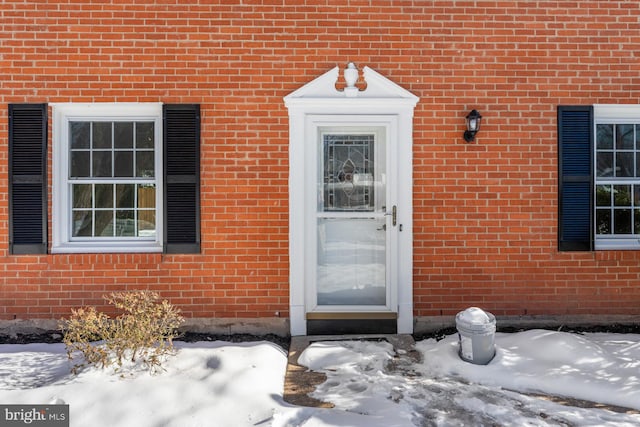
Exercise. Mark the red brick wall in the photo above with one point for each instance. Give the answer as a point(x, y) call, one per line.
point(485, 214)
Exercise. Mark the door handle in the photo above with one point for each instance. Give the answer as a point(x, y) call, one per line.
point(394, 215)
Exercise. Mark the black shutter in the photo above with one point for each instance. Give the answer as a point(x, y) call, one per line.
point(575, 201)
point(181, 178)
point(27, 178)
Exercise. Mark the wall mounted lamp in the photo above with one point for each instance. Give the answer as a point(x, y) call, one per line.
point(473, 125)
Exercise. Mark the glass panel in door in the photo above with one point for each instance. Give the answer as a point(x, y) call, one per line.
point(351, 222)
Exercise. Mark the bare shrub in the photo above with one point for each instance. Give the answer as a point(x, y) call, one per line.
point(144, 332)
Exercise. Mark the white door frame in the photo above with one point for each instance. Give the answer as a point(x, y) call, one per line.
point(319, 104)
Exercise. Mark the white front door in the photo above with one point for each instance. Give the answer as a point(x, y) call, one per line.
point(355, 224)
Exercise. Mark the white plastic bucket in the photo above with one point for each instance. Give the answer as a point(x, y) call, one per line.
point(476, 335)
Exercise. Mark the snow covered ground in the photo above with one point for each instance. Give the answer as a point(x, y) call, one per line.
point(227, 384)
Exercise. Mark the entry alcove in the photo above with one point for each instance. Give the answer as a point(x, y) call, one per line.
point(350, 205)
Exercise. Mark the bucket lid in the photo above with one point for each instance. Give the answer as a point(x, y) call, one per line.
point(475, 316)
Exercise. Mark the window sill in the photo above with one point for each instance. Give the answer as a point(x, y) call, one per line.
point(92, 247)
point(617, 244)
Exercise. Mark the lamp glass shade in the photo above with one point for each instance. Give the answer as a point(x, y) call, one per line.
point(473, 121)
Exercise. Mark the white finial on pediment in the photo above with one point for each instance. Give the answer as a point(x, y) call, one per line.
point(351, 77)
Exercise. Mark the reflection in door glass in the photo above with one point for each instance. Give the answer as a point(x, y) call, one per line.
point(351, 261)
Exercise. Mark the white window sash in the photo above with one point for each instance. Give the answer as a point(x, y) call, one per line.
point(614, 114)
point(63, 113)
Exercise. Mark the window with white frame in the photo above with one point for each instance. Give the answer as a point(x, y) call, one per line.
point(617, 177)
point(107, 173)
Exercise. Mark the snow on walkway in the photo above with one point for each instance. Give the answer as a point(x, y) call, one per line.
point(219, 384)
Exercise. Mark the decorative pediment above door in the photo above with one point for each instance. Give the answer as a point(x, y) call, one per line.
point(376, 87)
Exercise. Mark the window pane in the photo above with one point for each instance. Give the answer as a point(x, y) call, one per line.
point(604, 137)
point(80, 164)
point(146, 223)
point(624, 137)
point(125, 223)
point(617, 203)
point(101, 135)
point(603, 195)
point(112, 163)
point(125, 196)
point(146, 196)
point(104, 196)
point(104, 223)
point(102, 163)
point(82, 196)
point(622, 195)
point(144, 164)
point(624, 164)
point(144, 135)
point(622, 221)
point(79, 134)
point(123, 163)
point(605, 163)
point(603, 221)
point(82, 224)
point(123, 135)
